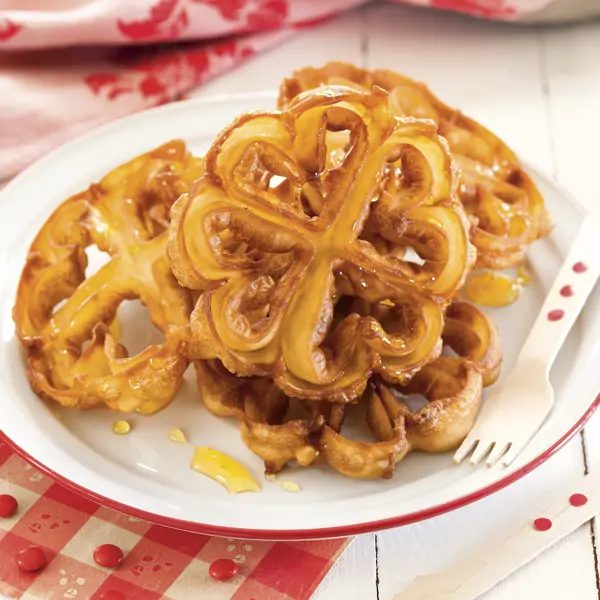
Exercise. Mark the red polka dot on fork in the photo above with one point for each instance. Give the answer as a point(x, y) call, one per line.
point(556, 315)
point(578, 499)
point(542, 524)
point(566, 291)
point(579, 267)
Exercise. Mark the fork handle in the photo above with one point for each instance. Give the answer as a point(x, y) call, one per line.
point(567, 296)
point(488, 565)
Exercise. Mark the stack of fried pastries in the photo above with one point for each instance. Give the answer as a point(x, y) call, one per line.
point(309, 267)
point(276, 242)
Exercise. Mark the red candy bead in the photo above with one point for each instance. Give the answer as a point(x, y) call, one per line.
point(31, 559)
point(8, 505)
point(108, 555)
point(578, 500)
point(222, 569)
point(579, 267)
point(556, 315)
point(566, 291)
point(542, 524)
point(113, 595)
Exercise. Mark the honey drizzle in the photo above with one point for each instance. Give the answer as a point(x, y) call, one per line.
point(121, 427)
point(288, 486)
point(227, 471)
point(489, 288)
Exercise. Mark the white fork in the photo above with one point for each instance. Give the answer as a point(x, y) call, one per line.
point(520, 403)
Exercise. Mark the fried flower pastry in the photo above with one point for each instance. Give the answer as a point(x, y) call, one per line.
point(452, 388)
point(276, 238)
point(261, 408)
point(282, 430)
point(67, 320)
point(473, 335)
point(504, 204)
point(369, 460)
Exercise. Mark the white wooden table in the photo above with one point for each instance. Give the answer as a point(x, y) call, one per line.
point(539, 89)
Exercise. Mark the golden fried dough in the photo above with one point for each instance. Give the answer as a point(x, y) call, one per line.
point(67, 320)
point(275, 239)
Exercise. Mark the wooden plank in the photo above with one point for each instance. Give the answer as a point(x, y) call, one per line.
point(564, 571)
point(571, 63)
point(354, 574)
point(496, 74)
point(570, 59)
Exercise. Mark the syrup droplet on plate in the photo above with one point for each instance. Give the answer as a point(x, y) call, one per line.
point(566, 291)
point(121, 427)
point(222, 569)
point(108, 555)
point(31, 559)
point(8, 506)
point(491, 289)
point(177, 436)
point(578, 499)
point(523, 275)
point(579, 267)
point(288, 486)
point(556, 315)
point(542, 524)
point(231, 474)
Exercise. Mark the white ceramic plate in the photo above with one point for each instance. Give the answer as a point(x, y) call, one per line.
point(146, 475)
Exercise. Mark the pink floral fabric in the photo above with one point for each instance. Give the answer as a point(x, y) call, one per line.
point(126, 59)
point(489, 9)
point(32, 24)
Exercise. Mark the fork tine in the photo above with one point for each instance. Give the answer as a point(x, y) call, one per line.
point(498, 451)
point(465, 448)
point(515, 450)
point(482, 448)
point(520, 445)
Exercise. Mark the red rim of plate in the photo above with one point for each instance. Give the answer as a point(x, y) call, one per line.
point(311, 534)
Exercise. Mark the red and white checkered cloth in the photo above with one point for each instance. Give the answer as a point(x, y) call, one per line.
point(160, 563)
